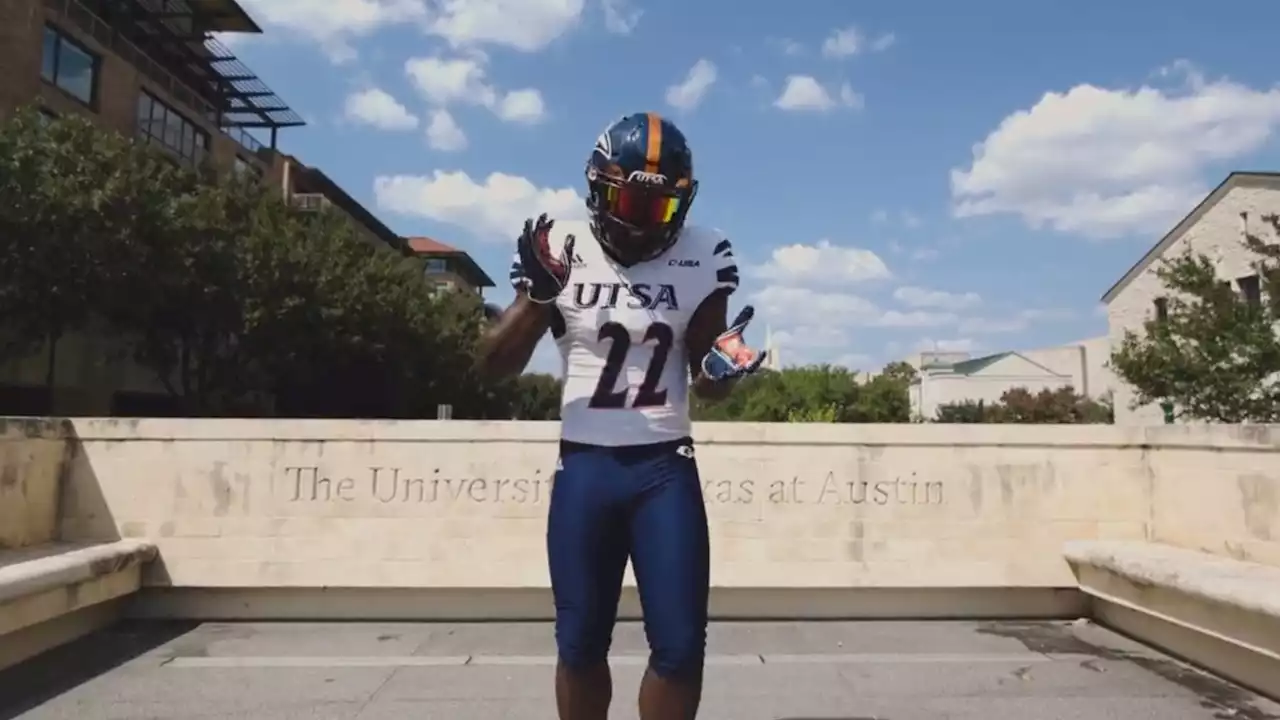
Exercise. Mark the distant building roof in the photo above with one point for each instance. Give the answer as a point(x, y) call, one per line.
point(430, 247)
point(306, 179)
point(968, 367)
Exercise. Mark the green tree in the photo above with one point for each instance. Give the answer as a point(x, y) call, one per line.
point(886, 397)
point(70, 198)
point(236, 302)
point(901, 371)
point(536, 396)
point(814, 393)
point(176, 298)
point(243, 305)
point(1215, 356)
point(1021, 406)
point(967, 411)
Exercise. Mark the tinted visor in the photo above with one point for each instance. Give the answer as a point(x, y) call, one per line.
point(641, 207)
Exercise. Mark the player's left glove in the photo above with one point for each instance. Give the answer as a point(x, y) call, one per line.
point(730, 357)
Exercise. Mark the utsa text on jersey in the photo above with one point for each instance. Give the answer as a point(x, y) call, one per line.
point(642, 296)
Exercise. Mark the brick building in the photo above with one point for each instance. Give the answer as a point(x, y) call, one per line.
point(149, 69)
point(146, 68)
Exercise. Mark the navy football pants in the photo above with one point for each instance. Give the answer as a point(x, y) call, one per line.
point(643, 502)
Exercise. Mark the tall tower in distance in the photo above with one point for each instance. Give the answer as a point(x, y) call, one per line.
point(772, 361)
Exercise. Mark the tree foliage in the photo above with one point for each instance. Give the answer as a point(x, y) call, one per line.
point(815, 393)
point(1019, 405)
point(536, 396)
point(236, 302)
point(71, 198)
point(1215, 356)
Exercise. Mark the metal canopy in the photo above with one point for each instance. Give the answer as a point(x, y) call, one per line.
point(177, 31)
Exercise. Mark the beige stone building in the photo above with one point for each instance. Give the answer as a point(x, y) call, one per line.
point(955, 377)
point(1215, 227)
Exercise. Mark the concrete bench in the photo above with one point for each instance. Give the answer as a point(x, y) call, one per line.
point(51, 594)
point(1218, 613)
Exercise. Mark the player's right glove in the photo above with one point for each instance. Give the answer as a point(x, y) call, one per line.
point(730, 357)
point(541, 274)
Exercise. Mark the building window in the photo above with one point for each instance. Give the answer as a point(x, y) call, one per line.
point(1162, 309)
point(70, 66)
point(437, 265)
point(161, 125)
point(1250, 290)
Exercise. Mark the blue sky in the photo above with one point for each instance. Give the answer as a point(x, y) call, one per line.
point(894, 176)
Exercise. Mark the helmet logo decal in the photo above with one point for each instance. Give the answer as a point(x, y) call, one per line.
point(648, 178)
point(604, 145)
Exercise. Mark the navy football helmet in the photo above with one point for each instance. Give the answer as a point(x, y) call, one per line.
point(639, 187)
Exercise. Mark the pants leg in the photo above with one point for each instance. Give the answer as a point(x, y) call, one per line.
point(587, 547)
point(670, 554)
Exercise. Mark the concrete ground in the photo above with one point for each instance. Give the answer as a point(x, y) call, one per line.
point(491, 671)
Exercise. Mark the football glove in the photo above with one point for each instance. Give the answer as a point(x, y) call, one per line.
point(730, 357)
point(542, 274)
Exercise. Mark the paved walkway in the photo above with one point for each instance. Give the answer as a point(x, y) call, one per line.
point(502, 671)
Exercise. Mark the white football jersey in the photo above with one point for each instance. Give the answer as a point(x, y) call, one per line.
point(621, 334)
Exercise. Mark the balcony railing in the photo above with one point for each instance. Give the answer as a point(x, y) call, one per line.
point(310, 202)
point(104, 33)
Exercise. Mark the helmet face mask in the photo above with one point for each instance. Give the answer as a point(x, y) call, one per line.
point(639, 187)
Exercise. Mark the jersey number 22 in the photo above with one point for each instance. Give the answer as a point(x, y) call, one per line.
point(648, 395)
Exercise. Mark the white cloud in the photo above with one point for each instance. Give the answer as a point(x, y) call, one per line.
point(796, 304)
point(334, 24)
point(464, 80)
point(804, 93)
point(884, 42)
point(906, 218)
point(1114, 162)
point(522, 106)
point(492, 210)
point(787, 46)
point(843, 43)
point(525, 25)
point(619, 17)
point(443, 133)
point(818, 322)
point(823, 262)
point(446, 81)
point(916, 318)
point(848, 41)
point(918, 297)
point(378, 109)
point(689, 92)
point(816, 317)
point(951, 345)
point(1016, 322)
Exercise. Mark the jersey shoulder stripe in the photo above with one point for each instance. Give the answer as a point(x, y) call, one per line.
point(723, 261)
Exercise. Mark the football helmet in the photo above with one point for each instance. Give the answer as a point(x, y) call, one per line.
point(640, 185)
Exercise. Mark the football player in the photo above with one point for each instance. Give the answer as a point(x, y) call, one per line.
point(635, 314)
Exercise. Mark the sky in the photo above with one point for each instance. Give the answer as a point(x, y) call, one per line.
point(895, 176)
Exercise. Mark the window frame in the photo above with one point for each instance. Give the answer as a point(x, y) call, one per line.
point(60, 38)
point(170, 129)
point(1250, 289)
